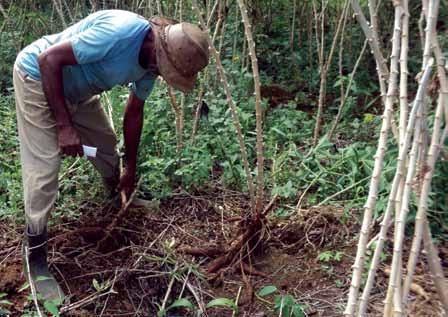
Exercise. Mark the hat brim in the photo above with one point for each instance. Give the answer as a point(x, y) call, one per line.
point(170, 74)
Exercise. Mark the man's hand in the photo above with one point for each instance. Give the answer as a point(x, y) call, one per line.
point(69, 141)
point(127, 182)
point(51, 61)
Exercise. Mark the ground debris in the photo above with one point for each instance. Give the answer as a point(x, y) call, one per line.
point(189, 231)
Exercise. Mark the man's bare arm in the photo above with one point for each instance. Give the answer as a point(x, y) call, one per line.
point(132, 130)
point(51, 62)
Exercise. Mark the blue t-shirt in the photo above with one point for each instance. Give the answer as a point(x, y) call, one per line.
point(106, 45)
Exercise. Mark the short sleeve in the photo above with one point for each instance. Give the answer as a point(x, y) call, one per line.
point(94, 43)
point(142, 88)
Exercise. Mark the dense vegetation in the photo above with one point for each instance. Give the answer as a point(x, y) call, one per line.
point(293, 165)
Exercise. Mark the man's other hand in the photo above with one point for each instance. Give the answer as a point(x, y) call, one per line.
point(69, 141)
point(127, 182)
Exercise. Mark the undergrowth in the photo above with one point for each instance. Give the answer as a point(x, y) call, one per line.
point(294, 170)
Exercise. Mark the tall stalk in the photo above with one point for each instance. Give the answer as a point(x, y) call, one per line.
point(293, 23)
point(258, 108)
point(382, 69)
point(231, 104)
point(379, 156)
point(395, 276)
point(347, 92)
point(404, 73)
point(401, 164)
point(159, 8)
point(178, 110)
point(325, 63)
point(437, 140)
point(58, 6)
point(434, 265)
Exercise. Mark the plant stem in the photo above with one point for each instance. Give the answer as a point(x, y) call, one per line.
point(258, 109)
point(379, 156)
point(232, 107)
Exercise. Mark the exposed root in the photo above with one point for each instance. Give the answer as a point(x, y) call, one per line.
point(109, 242)
point(249, 269)
point(244, 245)
point(89, 234)
point(206, 251)
point(218, 263)
point(249, 290)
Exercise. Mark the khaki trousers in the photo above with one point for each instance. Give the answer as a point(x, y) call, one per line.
point(39, 151)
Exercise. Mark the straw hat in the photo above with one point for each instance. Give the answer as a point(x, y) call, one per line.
point(182, 51)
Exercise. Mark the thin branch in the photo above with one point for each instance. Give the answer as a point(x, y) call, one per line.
point(324, 66)
point(231, 104)
point(347, 91)
point(58, 6)
point(258, 109)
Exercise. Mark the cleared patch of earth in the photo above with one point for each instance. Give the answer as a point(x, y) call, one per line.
point(145, 268)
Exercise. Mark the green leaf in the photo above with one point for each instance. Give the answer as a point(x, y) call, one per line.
point(3, 300)
point(297, 311)
point(338, 256)
point(96, 285)
point(278, 131)
point(267, 290)
point(52, 308)
point(24, 287)
point(161, 313)
point(325, 256)
point(223, 302)
point(181, 302)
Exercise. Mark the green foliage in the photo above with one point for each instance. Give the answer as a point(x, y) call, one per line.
point(368, 259)
point(224, 302)
point(328, 256)
point(182, 302)
point(10, 180)
point(52, 307)
point(100, 287)
point(286, 306)
point(293, 167)
point(179, 303)
point(281, 213)
point(267, 290)
point(4, 303)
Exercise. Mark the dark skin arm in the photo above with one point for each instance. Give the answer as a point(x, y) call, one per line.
point(133, 119)
point(51, 62)
point(132, 130)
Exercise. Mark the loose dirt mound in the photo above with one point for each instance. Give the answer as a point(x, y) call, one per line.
point(136, 275)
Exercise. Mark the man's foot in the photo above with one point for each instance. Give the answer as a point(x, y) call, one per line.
point(144, 203)
point(34, 254)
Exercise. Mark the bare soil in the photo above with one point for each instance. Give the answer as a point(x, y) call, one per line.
point(148, 247)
